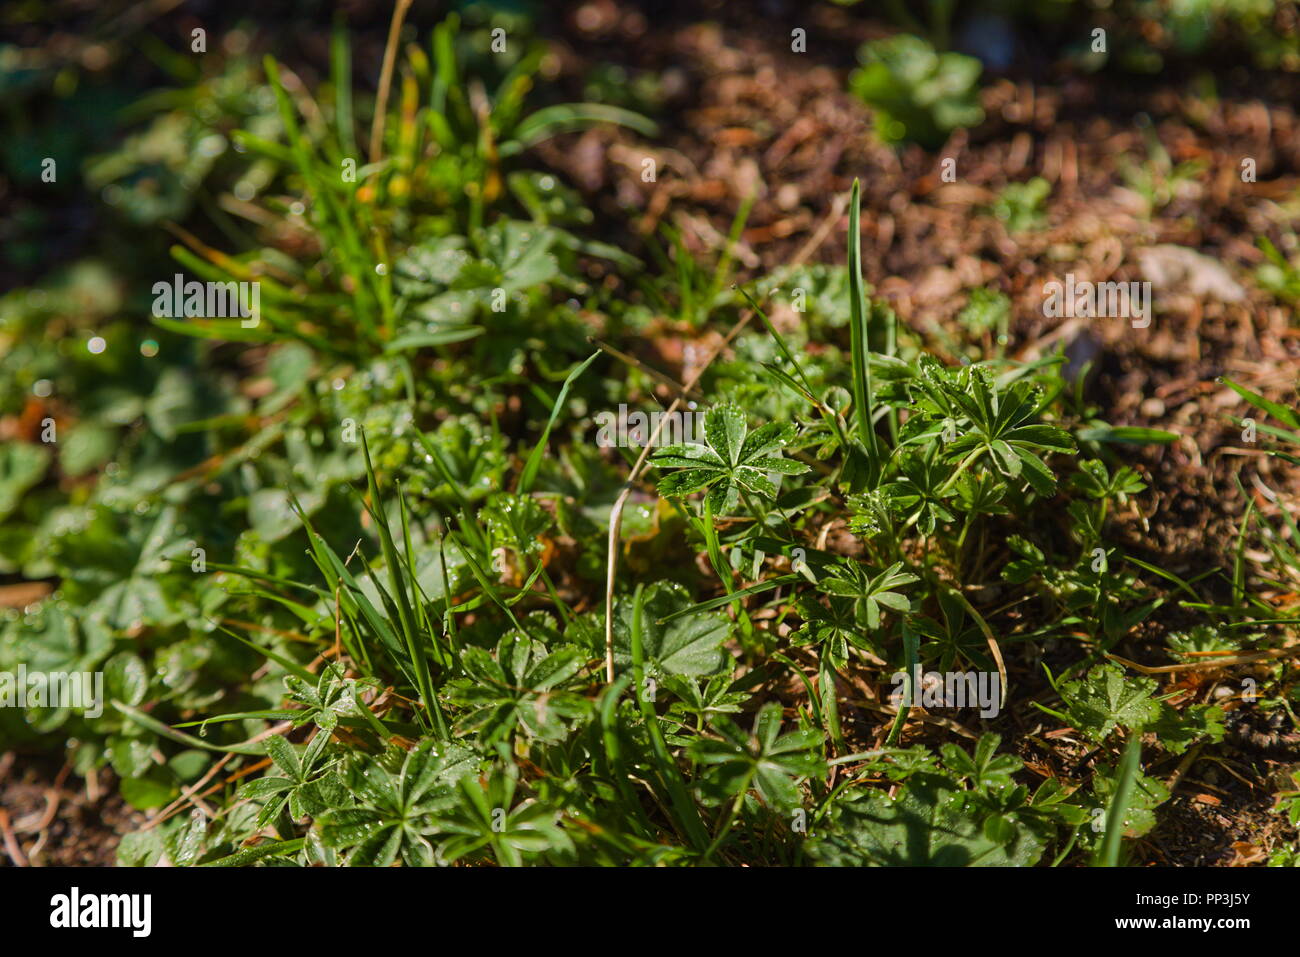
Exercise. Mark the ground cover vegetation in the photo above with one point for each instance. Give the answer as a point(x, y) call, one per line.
point(365, 589)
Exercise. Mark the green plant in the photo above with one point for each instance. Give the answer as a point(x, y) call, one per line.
point(1277, 274)
point(1281, 538)
point(1020, 205)
point(918, 94)
point(1159, 181)
point(732, 462)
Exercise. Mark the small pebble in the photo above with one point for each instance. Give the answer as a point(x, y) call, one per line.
point(1152, 408)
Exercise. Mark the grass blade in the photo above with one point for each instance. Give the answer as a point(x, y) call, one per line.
point(529, 474)
point(1108, 854)
point(860, 340)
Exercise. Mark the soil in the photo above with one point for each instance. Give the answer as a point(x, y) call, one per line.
point(49, 817)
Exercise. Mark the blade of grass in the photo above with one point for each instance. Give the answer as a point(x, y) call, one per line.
point(341, 74)
point(1280, 412)
point(860, 342)
point(911, 651)
point(723, 267)
point(529, 474)
point(157, 727)
point(733, 596)
point(607, 714)
point(418, 663)
point(1108, 854)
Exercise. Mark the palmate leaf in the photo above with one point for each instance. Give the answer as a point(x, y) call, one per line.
point(123, 558)
point(833, 626)
point(449, 287)
point(932, 823)
point(689, 644)
point(733, 459)
point(1177, 730)
point(1108, 699)
point(853, 580)
point(917, 93)
point(724, 430)
point(1094, 480)
point(516, 522)
point(396, 813)
point(954, 640)
point(518, 689)
point(994, 425)
point(770, 762)
point(487, 817)
point(702, 698)
point(1135, 815)
point(983, 767)
point(916, 494)
point(332, 697)
point(305, 783)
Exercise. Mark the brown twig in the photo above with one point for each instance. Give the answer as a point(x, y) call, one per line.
point(188, 795)
point(53, 798)
point(386, 79)
point(838, 205)
point(11, 840)
point(1229, 659)
point(665, 380)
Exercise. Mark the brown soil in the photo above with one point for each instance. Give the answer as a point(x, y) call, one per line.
point(49, 817)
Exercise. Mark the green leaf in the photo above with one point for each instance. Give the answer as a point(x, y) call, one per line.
point(1280, 412)
point(1127, 435)
point(21, 466)
point(932, 823)
point(567, 117)
point(144, 793)
point(529, 473)
point(1108, 699)
point(689, 644)
point(125, 678)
